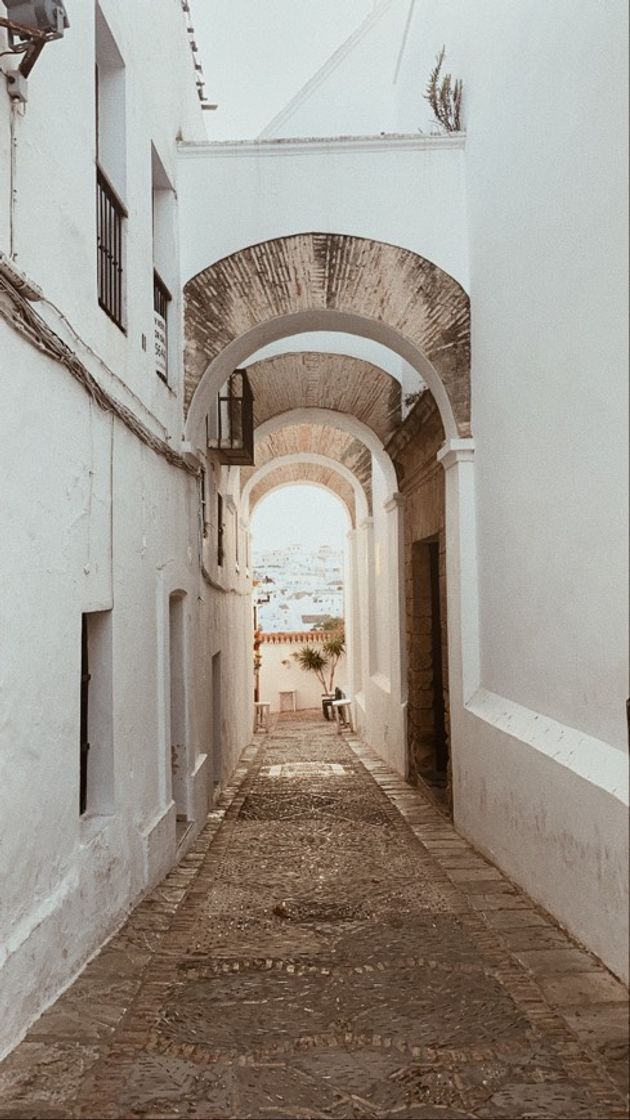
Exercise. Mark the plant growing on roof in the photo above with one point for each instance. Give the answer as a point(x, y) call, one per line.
point(445, 96)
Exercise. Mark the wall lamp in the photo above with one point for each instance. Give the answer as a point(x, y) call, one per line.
point(31, 24)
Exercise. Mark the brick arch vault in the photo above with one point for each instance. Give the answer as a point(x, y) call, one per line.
point(305, 478)
point(332, 282)
point(305, 468)
point(324, 281)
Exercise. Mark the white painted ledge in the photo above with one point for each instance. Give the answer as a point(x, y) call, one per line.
point(381, 142)
point(456, 451)
point(592, 759)
point(91, 827)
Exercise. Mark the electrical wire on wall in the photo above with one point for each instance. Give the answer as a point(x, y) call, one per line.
point(16, 49)
point(15, 106)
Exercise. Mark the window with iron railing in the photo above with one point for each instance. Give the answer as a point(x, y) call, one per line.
point(110, 216)
point(220, 530)
point(165, 254)
point(110, 125)
point(230, 429)
point(161, 300)
point(203, 502)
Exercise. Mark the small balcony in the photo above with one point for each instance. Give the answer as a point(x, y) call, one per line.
point(231, 429)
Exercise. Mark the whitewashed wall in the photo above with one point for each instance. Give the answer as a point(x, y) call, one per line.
point(94, 520)
point(281, 672)
point(55, 211)
point(546, 198)
point(68, 881)
point(537, 233)
point(404, 191)
point(530, 219)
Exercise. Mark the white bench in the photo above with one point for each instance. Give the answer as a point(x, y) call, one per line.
point(342, 712)
point(263, 710)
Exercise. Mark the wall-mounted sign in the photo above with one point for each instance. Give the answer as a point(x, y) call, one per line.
point(161, 352)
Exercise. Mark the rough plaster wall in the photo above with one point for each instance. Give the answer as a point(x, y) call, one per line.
point(400, 194)
point(314, 473)
point(384, 575)
point(548, 219)
point(327, 271)
point(274, 73)
point(542, 783)
point(280, 671)
point(336, 381)
point(68, 880)
point(55, 227)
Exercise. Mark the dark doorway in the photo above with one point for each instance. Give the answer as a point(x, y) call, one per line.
point(427, 706)
point(96, 741)
point(179, 767)
point(216, 721)
point(84, 745)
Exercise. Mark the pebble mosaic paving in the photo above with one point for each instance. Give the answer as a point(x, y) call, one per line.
point(330, 947)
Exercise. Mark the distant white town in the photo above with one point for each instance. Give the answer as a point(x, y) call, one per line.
point(298, 588)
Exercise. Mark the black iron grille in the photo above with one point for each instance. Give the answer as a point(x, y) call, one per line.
point(161, 300)
point(110, 215)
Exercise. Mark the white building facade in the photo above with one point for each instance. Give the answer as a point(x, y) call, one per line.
point(125, 553)
point(111, 539)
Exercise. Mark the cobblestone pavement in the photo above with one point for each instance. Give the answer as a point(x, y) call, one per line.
point(330, 947)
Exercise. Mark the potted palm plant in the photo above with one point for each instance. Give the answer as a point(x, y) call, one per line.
point(322, 662)
point(333, 649)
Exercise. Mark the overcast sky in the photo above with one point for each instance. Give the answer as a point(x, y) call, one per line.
point(298, 515)
point(257, 54)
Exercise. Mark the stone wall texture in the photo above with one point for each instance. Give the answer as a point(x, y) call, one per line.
point(320, 440)
point(414, 449)
point(320, 380)
point(296, 473)
point(323, 271)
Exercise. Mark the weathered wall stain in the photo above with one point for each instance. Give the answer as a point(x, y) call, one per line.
point(421, 478)
point(322, 271)
point(320, 440)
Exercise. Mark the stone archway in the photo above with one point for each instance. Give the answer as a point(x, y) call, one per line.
point(308, 476)
point(322, 281)
point(315, 282)
point(346, 384)
point(365, 439)
point(322, 441)
point(308, 468)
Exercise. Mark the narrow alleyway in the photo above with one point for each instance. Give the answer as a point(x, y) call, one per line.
point(329, 948)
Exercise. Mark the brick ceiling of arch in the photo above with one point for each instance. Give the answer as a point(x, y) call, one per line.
point(389, 286)
point(319, 440)
point(319, 380)
point(314, 473)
